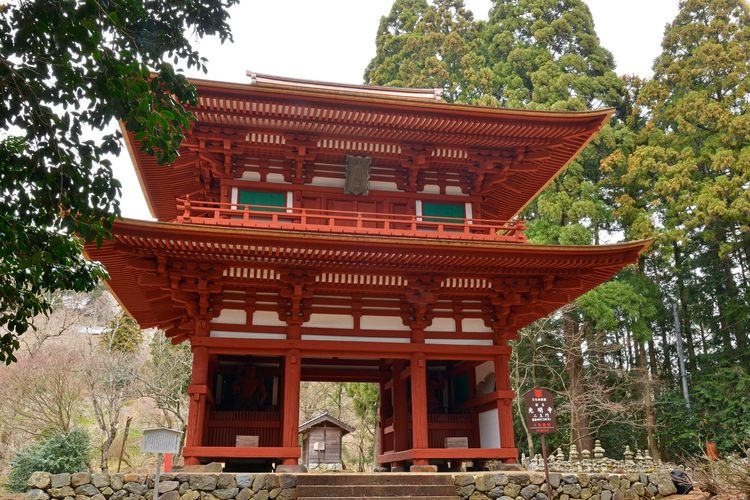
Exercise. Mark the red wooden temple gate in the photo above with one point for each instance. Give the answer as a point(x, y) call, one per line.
point(326, 232)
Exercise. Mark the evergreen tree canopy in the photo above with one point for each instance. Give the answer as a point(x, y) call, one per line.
point(673, 164)
point(122, 335)
point(545, 54)
point(686, 179)
point(67, 68)
point(433, 45)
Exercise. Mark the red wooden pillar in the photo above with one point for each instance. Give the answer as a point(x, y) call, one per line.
point(504, 404)
point(380, 439)
point(197, 392)
point(290, 420)
point(400, 410)
point(419, 404)
point(472, 376)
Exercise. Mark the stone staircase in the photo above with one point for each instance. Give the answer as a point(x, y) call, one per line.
point(382, 486)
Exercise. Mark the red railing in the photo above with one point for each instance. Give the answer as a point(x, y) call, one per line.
point(336, 221)
point(439, 427)
point(225, 425)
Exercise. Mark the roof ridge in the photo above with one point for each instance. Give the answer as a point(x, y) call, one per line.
point(265, 80)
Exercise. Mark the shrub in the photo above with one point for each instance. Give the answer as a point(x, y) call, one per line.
point(67, 452)
point(729, 476)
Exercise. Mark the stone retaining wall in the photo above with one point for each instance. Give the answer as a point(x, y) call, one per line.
point(531, 485)
point(98, 486)
point(261, 486)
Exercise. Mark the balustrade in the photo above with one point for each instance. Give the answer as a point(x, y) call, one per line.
point(336, 221)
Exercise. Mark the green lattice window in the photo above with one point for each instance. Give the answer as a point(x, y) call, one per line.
point(263, 199)
point(439, 212)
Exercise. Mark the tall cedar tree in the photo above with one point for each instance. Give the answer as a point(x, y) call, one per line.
point(681, 176)
point(67, 68)
point(433, 45)
point(686, 179)
point(534, 54)
point(546, 55)
point(699, 98)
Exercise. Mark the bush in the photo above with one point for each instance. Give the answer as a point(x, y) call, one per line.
point(67, 452)
point(718, 412)
point(729, 476)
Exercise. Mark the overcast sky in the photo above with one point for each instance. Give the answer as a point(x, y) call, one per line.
point(334, 40)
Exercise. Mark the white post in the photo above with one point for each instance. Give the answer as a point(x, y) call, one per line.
point(156, 478)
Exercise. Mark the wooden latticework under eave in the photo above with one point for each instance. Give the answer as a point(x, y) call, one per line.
point(420, 315)
point(315, 283)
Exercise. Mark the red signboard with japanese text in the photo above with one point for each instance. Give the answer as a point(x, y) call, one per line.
point(540, 411)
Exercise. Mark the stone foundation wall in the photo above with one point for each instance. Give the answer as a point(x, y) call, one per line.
point(261, 486)
point(97, 486)
point(531, 485)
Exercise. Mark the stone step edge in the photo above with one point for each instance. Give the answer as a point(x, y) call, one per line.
point(413, 479)
point(431, 497)
point(378, 489)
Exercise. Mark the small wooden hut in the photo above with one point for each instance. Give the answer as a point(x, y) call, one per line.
point(321, 441)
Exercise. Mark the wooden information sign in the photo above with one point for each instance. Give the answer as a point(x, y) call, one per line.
point(161, 440)
point(540, 419)
point(540, 411)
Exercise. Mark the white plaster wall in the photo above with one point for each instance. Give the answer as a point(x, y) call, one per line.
point(442, 325)
point(431, 189)
point(276, 178)
point(454, 190)
point(458, 341)
point(250, 175)
point(231, 317)
point(319, 181)
point(247, 335)
point(330, 321)
point(383, 186)
point(350, 338)
point(485, 377)
point(474, 325)
point(489, 429)
point(267, 318)
point(385, 323)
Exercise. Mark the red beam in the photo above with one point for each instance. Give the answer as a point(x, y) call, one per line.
point(226, 424)
point(353, 350)
point(334, 375)
point(448, 454)
point(239, 452)
point(488, 398)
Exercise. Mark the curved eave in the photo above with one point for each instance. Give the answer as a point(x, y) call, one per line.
point(394, 102)
point(380, 120)
point(137, 158)
point(162, 185)
point(589, 266)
